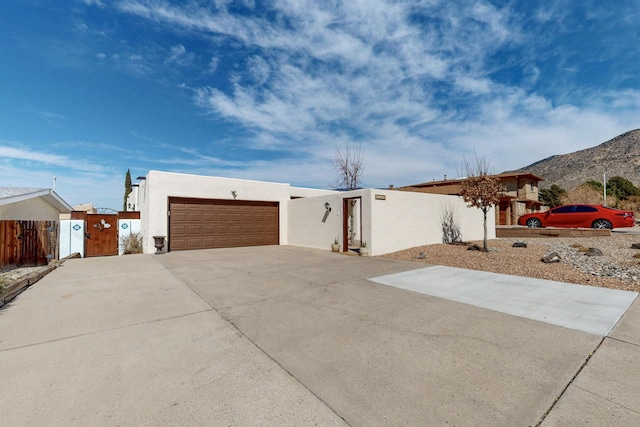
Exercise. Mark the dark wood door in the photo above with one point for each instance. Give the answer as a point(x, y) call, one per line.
point(210, 223)
point(503, 207)
point(101, 235)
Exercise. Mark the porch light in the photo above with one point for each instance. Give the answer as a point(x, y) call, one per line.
point(234, 194)
point(327, 207)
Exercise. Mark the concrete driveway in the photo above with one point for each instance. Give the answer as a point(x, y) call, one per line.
point(293, 336)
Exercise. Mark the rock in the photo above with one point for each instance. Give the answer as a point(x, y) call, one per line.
point(551, 257)
point(635, 246)
point(519, 245)
point(594, 252)
point(475, 247)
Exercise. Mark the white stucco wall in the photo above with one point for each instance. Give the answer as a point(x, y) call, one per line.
point(402, 220)
point(405, 220)
point(155, 190)
point(32, 209)
point(309, 192)
point(306, 227)
point(132, 200)
point(71, 237)
point(126, 227)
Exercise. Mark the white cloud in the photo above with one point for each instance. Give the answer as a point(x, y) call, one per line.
point(46, 159)
point(415, 82)
point(178, 55)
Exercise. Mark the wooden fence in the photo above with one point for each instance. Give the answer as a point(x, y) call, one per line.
point(28, 243)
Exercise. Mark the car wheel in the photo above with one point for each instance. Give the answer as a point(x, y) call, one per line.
point(601, 223)
point(534, 223)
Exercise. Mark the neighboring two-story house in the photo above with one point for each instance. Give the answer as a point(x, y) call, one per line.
point(520, 196)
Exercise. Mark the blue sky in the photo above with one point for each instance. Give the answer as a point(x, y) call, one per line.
point(266, 90)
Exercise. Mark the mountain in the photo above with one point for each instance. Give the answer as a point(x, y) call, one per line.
point(619, 156)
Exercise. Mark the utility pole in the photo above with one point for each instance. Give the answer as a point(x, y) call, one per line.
point(604, 187)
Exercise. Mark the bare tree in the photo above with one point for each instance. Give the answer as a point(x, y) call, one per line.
point(349, 165)
point(481, 189)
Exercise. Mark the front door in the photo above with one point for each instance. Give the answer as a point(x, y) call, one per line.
point(351, 224)
point(101, 235)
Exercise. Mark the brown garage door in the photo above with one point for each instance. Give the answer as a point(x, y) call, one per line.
point(208, 223)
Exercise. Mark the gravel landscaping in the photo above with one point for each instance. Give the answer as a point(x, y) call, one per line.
point(617, 268)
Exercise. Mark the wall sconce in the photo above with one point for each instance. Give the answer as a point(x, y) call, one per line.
point(327, 209)
point(234, 194)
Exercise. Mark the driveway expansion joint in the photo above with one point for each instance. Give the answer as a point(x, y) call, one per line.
point(86, 334)
point(570, 383)
point(635, 344)
point(606, 399)
point(263, 351)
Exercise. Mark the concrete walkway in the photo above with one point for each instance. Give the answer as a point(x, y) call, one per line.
point(583, 308)
point(291, 336)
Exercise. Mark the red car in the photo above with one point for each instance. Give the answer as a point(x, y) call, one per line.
point(585, 216)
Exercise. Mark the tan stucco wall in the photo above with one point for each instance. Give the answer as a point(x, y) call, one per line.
point(32, 209)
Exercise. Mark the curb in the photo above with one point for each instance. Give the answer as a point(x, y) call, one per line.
point(15, 289)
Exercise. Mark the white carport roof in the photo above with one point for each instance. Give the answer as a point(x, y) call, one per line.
point(10, 195)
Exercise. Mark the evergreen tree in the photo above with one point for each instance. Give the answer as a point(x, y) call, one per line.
point(622, 188)
point(127, 189)
point(552, 196)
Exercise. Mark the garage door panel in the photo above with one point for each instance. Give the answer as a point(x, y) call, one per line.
point(204, 223)
point(209, 217)
point(271, 229)
point(179, 216)
point(208, 230)
point(194, 230)
point(194, 243)
point(235, 241)
point(178, 244)
point(210, 242)
point(180, 230)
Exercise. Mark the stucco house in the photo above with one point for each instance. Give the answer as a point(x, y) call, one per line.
point(193, 212)
point(38, 204)
point(521, 195)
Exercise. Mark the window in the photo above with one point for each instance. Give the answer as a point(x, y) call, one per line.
point(532, 186)
point(583, 209)
point(564, 209)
